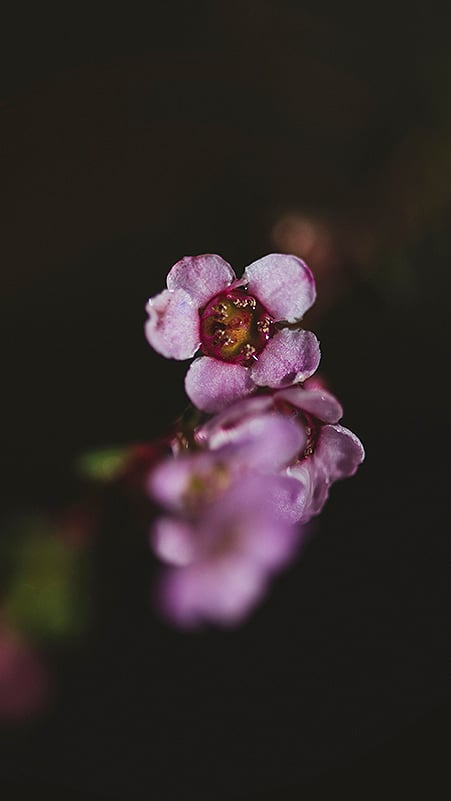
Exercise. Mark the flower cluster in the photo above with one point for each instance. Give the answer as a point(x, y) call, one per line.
point(257, 465)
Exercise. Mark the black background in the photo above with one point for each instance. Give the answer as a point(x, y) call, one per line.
point(131, 141)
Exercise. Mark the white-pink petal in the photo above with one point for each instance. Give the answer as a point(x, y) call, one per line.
point(201, 276)
point(173, 325)
point(340, 451)
point(284, 284)
point(289, 357)
point(222, 592)
point(212, 385)
point(268, 442)
point(219, 430)
point(319, 402)
point(174, 541)
point(169, 481)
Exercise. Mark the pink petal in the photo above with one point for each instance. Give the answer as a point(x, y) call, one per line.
point(284, 284)
point(212, 385)
point(201, 276)
point(314, 492)
point(250, 522)
point(266, 442)
point(317, 402)
point(289, 498)
point(224, 592)
point(218, 430)
point(174, 541)
point(169, 481)
point(289, 357)
point(339, 450)
point(173, 325)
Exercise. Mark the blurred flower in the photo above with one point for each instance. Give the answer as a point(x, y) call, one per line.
point(43, 601)
point(237, 324)
point(229, 527)
point(309, 238)
point(224, 557)
point(24, 679)
point(325, 243)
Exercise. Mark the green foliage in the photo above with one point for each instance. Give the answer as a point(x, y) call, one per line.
point(46, 596)
point(103, 465)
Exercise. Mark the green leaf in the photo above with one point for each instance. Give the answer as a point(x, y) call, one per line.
point(103, 465)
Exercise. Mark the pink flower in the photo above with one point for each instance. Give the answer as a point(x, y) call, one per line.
point(238, 325)
point(228, 554)
point(329, 451)
point(24, 679)
point(226, 530)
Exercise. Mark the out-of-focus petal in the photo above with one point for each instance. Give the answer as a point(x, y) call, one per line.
point(191, 482)
point(201, 276)
point(174, 541)
point(212, 385)
point(284, 284)
point(243, 540)
point(250, 522)
point(224, 593)
point(169, 481)
point(318, 402)
point(289, 357)
point(339, 450)
point(24, 679)
point(173, 325)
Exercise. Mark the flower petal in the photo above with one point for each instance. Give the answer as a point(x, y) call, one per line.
point(223, 592)
point(169, 481)
point(173, 325)
point(249, 522)
point(212, 385)
point(289, 357)
point(290, 496)
point(318, 402)
point(284, 284)
point(266, 443)
point(314, 492)
point(219, 430)
point(339, 450)
point(201, 276)
point(243, 539)
point(174, 541)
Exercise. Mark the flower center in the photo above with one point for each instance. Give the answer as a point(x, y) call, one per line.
point(205, 486)
point(235, 327)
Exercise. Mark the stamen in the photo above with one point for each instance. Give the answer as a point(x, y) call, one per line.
point(310, 440)
point(248, 350)
point(243, 303)
point(263, 326)
point(220, 312)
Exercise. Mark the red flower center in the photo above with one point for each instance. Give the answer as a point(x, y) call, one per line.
point(235, 327)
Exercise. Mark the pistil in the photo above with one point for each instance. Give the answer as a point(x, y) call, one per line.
point(235, 327)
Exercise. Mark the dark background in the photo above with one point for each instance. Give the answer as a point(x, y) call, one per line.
point(131, 141)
